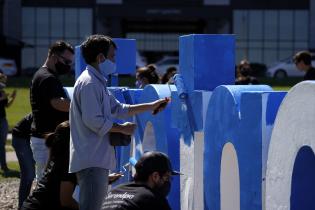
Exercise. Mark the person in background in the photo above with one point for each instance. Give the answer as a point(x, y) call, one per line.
point(21, 135)
point(152, 184)
point(146, 75)
point(54, 190)
point(243, 74)
point(92, 113)
point(303, 62)
point(49, 102)
point(5, 101)
point(167, 77)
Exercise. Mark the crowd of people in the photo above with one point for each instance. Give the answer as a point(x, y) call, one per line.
point(63, 143)
point(66, 143)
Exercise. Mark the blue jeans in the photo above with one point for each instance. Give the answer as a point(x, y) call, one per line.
point(3, 139)
point(27, 166)
point(93, 183)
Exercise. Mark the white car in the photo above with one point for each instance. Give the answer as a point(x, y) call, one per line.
point(286, 68)
point(166, 62)
point(8, 66)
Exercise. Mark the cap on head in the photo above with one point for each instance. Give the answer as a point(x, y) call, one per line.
point(153, 162)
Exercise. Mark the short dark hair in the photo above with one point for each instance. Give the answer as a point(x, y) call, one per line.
point(58, 141)
point(94, 45)
point(152, 162)
point(304, 56)
point(149, 72)
point(59, 47)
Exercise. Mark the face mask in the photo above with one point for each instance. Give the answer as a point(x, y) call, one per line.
point(107, 67)
point(62, 68)
point(164, 189)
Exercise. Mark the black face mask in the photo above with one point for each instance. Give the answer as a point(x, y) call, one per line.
point(62, 68)
point(164, 189)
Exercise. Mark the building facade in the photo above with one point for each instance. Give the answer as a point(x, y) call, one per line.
point(266, 31)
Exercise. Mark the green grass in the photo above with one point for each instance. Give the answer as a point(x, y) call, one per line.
point(13, 173)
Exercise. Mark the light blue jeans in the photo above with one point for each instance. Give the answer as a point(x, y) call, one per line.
point(40, 154)
point(93, 183)
point(3, 139)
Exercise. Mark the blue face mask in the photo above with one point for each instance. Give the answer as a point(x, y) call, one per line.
point(107, 68)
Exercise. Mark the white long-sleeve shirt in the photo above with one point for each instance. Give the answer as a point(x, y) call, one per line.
point(92, 111)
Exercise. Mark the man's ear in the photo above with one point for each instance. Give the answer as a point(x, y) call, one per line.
point(155, 177)
point(100, 58)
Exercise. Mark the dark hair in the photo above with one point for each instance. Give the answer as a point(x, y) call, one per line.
point(165, 77)
point(149, 72)
point(59, 47)
point(304, 56)
point(151, 162)
point(58, 141)
point(94, 45)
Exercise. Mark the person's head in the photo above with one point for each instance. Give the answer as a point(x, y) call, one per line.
point(99, 51)
point(60, 57)
point(155, 170)
point(302, 60)
point(243, 69)
point(3, 80)
point(170, 72)
point(58, 141)
point(147, 75)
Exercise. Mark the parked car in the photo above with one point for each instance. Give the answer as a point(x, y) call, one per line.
point(286, 68)
point(8, 66)
point(166, 62)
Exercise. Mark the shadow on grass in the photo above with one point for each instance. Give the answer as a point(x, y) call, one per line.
point(9, 174)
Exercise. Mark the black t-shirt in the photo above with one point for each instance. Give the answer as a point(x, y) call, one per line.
point(46, 86)
point(3, 104)
point(46, 196)
point(23, 127)
point(133, 196)
point(310, 74)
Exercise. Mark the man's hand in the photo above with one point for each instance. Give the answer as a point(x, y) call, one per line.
point(128, 128)
point(159, 105)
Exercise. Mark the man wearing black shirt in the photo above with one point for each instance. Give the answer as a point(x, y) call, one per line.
point(303, 61)
point(49, 102)
point(151, 187)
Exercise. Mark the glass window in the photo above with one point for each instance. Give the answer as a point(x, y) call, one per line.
point(28, 58)
point(56, 22)
point(86, 22)
point(71, 23)
point(270, 56)
point(255, 55)
point(28, 22)
point(41, 54)
point(240, 25)
point(286, 25)
point(255, 25)
point(42, 26)
point(301, 23)
point(284, 54)
point(271, 26)
point(241, 53)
